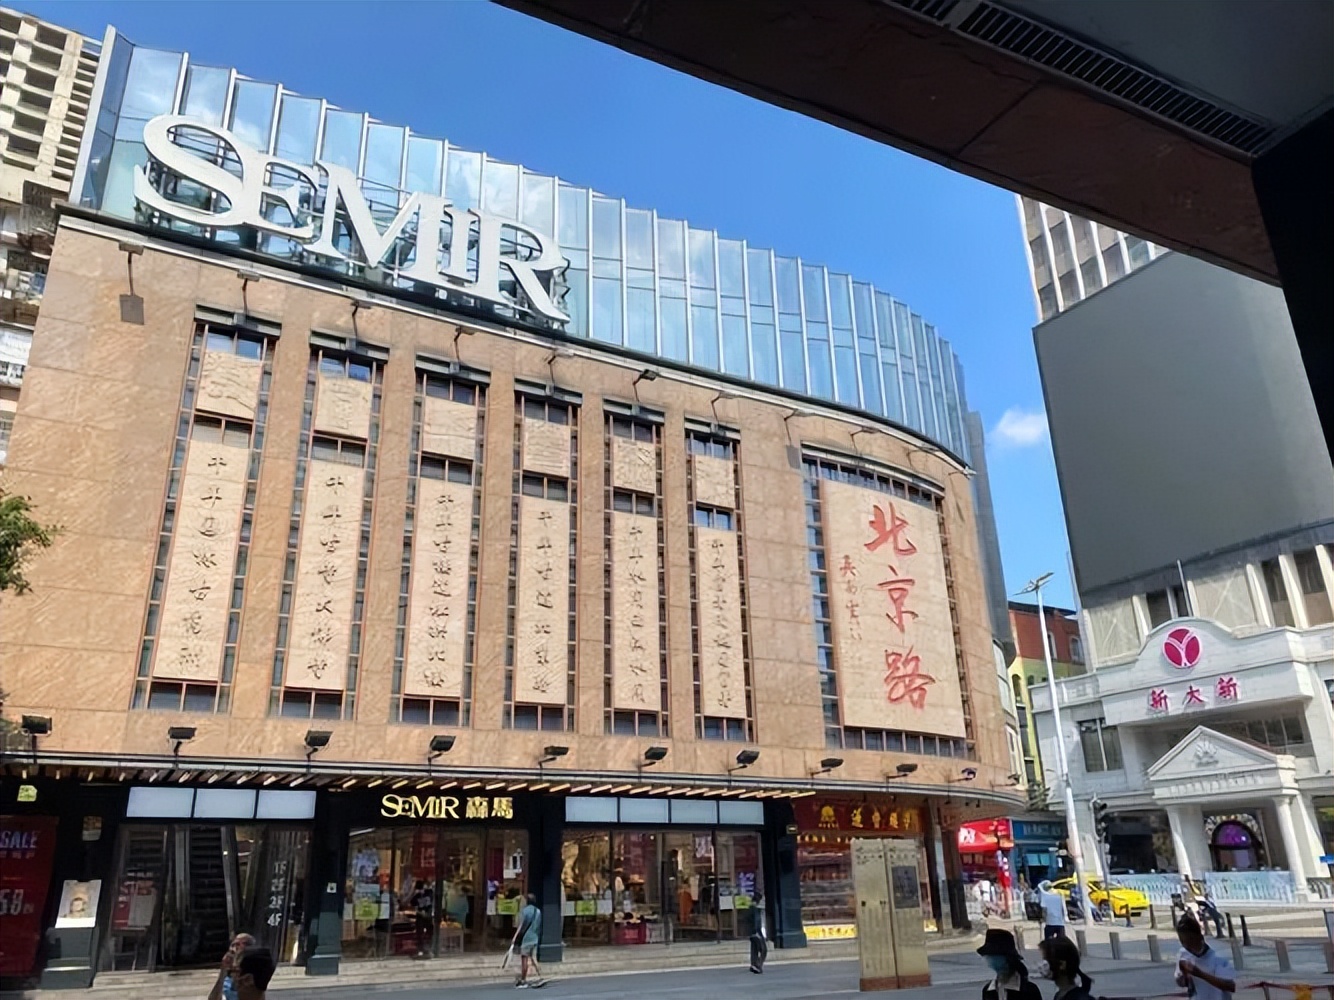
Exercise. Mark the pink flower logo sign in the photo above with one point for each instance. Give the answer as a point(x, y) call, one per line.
point(1182, 648)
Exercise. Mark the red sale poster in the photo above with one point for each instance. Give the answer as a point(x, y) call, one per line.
point(27, 851)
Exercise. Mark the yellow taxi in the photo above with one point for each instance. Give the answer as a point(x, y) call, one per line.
point(1122, 901)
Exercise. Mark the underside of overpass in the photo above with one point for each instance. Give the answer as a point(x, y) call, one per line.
point(1202, 125)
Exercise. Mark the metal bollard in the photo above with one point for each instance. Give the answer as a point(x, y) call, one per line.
point(1230, 932)
point(1237, 955)
point(1114, 939)
point(1284, 960)
point(1153, 918)
point(1245, 932)
point(1155, 950)
point(1019, 938)
point(1081, 942)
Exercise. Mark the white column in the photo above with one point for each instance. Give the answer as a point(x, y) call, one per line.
point(1308, 836)
point(1288, 830)
point(1288, 569)
point(1176, 823)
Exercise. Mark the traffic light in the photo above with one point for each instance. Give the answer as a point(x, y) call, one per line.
point(1101, 820)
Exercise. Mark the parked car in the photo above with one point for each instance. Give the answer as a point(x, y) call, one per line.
point(1121, 901)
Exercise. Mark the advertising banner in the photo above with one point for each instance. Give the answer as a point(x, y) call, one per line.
point(27, 851)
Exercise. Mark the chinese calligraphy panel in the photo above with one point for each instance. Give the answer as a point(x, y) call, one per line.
point(893, 636)
point(438, 603)
point(634, 465)
point(229, 384)
point(203, 558)
point(715, 481)
point(319, 634)
point(542, 622)
point(342, 406)
point(722, 677)
point(449, 428)
point(636, 651)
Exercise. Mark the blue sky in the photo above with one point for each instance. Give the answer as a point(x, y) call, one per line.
point(524, 91)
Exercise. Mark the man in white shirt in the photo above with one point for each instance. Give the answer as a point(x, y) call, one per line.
point(1205, 973)
point(1053, 911)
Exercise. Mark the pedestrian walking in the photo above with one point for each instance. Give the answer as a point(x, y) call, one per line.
point(1205, 973)
point(1007, 966)
point(253, 970)
point(1208, 911)
point(423, 902)
point(759, 945)
point(1053, 910)
point(527, 936)
point(224, 988)
point(1072, 983)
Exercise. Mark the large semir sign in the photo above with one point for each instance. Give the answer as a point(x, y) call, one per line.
point(204, 175)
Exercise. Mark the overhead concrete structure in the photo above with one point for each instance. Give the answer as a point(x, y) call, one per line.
point(1200, 125)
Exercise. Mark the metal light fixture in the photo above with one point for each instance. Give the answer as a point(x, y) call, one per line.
point(827, 765)
point(180, 735)
point(713, 403)
point(553, 752)
point(744, 759)
point(901, 771)
point(654, 754)
point(36, 725)
point(441, 743)
point(316, 740)
point(967, 774)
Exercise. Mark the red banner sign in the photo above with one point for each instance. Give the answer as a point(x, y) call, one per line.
point(985, 835)
point(27, 851)
point(862, 816)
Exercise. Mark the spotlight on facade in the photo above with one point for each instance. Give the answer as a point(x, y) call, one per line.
point(551, 753)
point(316, 740)
point(654, 754)
point(441, 743)
point(36, 725)
point(179, 736)
point(827, 765)
point(645, 375)
point(901, 771)
point(967, 774)
point(744, 759)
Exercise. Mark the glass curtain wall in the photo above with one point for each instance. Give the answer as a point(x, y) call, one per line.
point(656, 286)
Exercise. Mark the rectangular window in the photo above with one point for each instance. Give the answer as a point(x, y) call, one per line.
point(1160, 607)
point(1311, 581)
point(1277, 592)
point(1101, 745)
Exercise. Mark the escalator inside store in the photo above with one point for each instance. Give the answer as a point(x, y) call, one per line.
point(183, 891)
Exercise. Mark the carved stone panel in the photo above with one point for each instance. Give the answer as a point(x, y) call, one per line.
point(438, 603)
point(546, 447)
point(636, 650)
point(342, 406)
point(542, 625)
point(449, 428)
point(634, 465)
point(320, 631)
point(893, 636)
point(202, 563)
point(722, 673)
point(229, 384)
point(715, 481)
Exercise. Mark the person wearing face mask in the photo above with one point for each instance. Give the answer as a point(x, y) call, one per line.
point(1010, 980)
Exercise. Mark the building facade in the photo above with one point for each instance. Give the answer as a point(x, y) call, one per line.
point(1204, 720)
point(46, 82)
point(418, 554)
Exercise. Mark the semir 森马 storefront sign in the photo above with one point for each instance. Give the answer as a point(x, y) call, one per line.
point(203, 175)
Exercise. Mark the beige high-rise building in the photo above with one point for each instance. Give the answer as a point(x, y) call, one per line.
point(46, 83)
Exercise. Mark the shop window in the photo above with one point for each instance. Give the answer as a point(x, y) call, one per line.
point(1277, 591)
point(1101, 745)
point(1076, 650)
point(1312, 583)
point(1160, 607)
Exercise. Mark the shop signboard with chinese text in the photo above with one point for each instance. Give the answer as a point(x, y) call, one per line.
point(864, 817)
point(893, 631)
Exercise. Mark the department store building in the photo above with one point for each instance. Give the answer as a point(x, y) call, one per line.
point(436, 531)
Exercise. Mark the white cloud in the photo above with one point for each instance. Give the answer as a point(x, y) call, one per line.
point(1019, 429)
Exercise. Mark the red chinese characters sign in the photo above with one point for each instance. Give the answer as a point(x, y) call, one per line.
point(27, 849)
point(864, 817)
point(893, 636)
point(985, 835)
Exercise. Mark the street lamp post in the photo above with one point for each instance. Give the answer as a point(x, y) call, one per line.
point(1062, 763)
